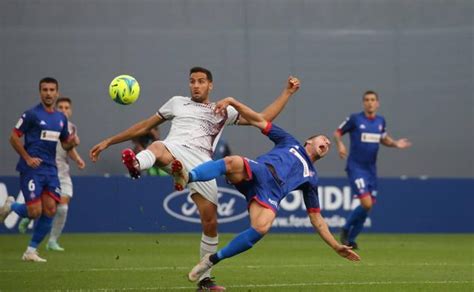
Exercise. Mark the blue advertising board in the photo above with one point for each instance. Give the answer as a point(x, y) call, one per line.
point(119, 204)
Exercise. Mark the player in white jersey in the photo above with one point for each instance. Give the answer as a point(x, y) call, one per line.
point(195, 130)
point(64, 105)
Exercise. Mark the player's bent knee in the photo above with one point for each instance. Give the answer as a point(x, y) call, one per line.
point(262, 228)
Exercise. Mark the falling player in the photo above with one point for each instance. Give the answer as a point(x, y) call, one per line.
point(265, 181)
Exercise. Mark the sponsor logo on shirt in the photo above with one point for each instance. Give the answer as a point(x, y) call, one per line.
point(370, 138)
point(43, 123)
point(362, 126)
point(52, 136)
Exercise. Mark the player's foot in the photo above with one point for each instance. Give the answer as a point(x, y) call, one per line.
point(179, 174)
point(353, 245)
point(208, 284)
point(203, 266)
point(131, 163)
point(6, 208)
point(32, 257)
point(53, 246)
point(344, 236)
point(23, 225)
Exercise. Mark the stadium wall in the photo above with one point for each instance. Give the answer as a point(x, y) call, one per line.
point(118, 204)
point(417, 54)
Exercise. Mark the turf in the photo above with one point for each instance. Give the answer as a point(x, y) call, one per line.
point(281, 262)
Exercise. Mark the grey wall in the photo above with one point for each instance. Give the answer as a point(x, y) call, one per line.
point(416, 54)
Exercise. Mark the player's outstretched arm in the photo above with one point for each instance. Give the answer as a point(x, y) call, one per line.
point(254, 118)
point(139, 129)
point(400, 143)
point(275, 108)
point(322, 228)
point(341, 148)
point(15, 141)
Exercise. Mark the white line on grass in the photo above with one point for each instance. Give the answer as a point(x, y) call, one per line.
point(282, 285)
point(274, 266)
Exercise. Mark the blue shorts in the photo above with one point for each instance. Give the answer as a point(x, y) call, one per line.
point(363, 182)
point(261, 185)
point(34, 185)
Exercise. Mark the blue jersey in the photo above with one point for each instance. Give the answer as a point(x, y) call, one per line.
point(42, 131)
point(293, 168)
point(365, 135)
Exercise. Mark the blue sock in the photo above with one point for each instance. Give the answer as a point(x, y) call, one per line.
point(20, 209)
point(42, 228)
point(240, 243)
point(358, 224)
point(353, 217)
point(207, 171)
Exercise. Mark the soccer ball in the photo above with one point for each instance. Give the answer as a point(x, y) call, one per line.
point(124, 89)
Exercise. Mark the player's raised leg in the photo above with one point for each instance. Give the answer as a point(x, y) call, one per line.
point(155, 153)
point(231, 166)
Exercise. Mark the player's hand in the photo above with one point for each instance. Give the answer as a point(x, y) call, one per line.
point(347, 252)
point(95, 151)
point(222, 105)
point(80, 163)
point(34, 162)
point(293, 84)
point(342, 151)
point(402, 143)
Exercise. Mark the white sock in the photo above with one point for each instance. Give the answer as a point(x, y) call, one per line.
point(30, 249)
point(146, 159)
point(58, 222)
point(208, 245)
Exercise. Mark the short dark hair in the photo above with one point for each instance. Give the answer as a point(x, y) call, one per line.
point(48, 80)
point(312, 137)
point(370, 92)
point(202, 70)
point(63, 99)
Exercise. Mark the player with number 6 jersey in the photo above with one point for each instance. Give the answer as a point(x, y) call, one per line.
point(42, 127)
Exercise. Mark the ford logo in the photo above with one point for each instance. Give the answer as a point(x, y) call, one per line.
point(232, 206)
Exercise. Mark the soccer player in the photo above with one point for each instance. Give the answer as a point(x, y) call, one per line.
point(195, 129)
point(265, 182)
point(42, 127)
point(367, 130)
point(64, 105)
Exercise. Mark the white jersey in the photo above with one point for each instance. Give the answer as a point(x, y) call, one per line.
point(195, 125)
point(62, 161)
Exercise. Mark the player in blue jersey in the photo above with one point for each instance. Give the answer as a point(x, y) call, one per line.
point(367, 131)
point(265, 182)
point(42, 127)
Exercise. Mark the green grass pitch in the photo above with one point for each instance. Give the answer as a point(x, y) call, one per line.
point(280, 262)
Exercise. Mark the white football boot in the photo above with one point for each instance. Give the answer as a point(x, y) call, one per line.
point(199, 269)
point(32, 257)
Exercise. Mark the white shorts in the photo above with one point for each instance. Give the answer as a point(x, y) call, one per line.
point(192, 158)
point(66, 186)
